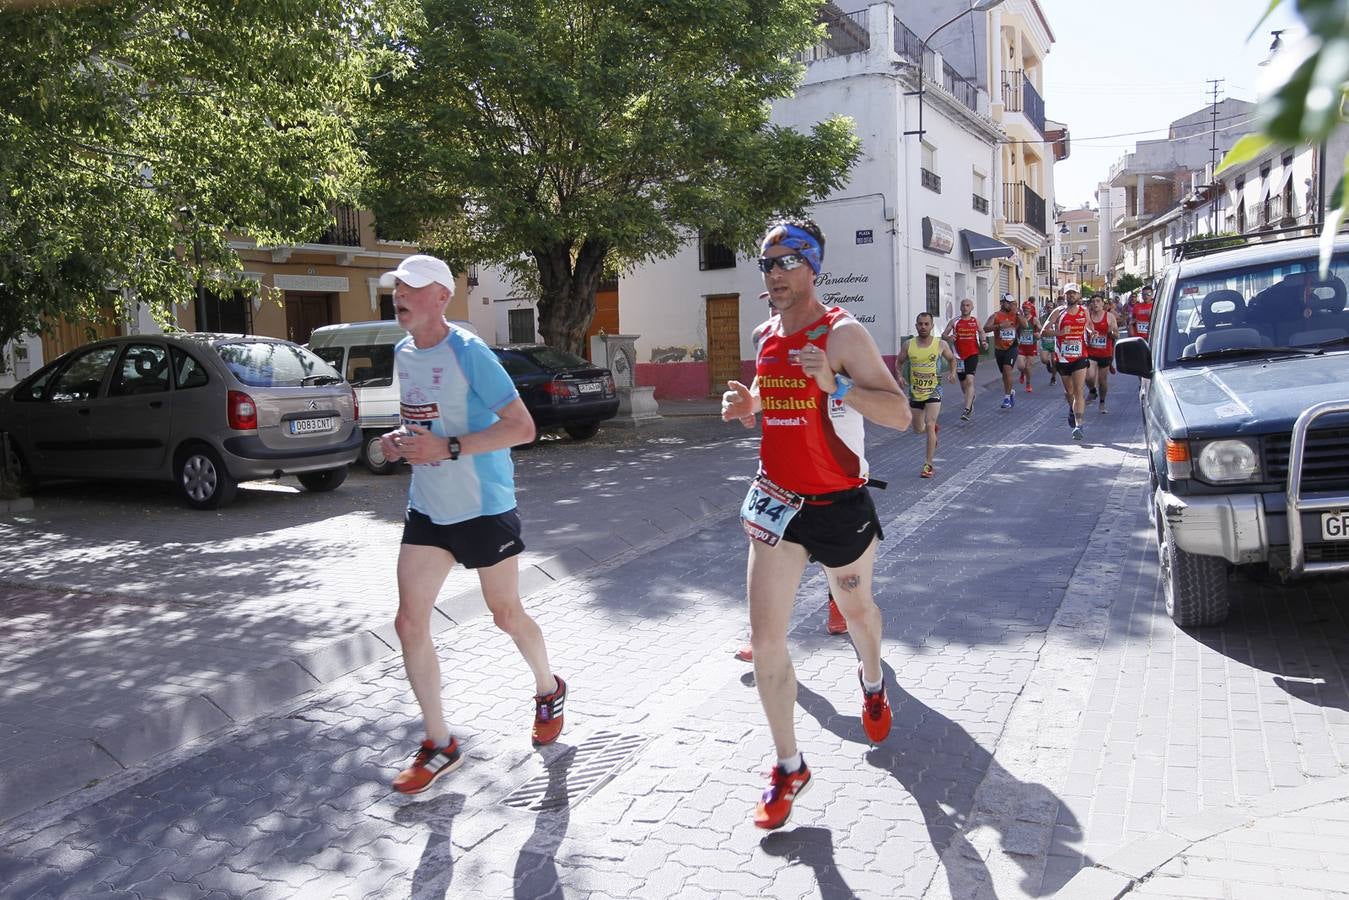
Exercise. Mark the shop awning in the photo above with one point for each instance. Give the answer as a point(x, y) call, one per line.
point(981, 246)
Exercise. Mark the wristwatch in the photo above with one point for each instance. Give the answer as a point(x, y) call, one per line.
point(842, 384)
point(453, 443)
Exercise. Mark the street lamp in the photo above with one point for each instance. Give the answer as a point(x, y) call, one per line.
point(979, 6)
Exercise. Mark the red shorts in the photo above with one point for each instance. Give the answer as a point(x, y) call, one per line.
point(1027, 350)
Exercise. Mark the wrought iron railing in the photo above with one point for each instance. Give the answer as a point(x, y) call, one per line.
point(346, 228)
point(910, 46)
point(1019, 95)
point(980, 203)
point(846, 33)
point(930, 180)
point(1022, 206)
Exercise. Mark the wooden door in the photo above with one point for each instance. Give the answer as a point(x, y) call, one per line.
point(723, 342)
point(304, 313)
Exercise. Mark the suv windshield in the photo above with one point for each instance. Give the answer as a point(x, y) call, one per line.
point(1256, 309)
point(268, 364)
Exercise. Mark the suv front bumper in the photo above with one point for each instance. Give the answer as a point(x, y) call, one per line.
point(1240, 528)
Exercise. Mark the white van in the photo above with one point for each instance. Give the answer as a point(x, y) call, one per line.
point(363, 353)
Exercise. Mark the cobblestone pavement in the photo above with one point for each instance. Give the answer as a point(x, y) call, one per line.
point(1041, 700)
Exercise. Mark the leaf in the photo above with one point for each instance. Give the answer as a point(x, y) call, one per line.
point(1273, 5)
point(1333, 219)
point(1244, 150)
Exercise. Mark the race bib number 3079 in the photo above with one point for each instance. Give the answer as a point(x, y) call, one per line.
point(767, 510)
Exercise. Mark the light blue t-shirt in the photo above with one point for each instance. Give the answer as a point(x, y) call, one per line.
point(456, 388)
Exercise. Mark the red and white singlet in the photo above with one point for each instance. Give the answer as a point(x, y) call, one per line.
point(811, 444)
point(967, 336)
point(1072, 336)
point(1141, 322)
point(1099, 345)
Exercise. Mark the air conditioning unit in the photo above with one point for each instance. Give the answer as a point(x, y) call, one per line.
point(982, 264)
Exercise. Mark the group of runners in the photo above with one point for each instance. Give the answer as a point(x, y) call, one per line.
point(819, 376)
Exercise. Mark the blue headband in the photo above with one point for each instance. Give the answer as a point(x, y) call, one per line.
point(800, 240)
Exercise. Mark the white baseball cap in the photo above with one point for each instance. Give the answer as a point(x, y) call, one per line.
point(419, 270)
point(1008, 298)
point(1072, 286)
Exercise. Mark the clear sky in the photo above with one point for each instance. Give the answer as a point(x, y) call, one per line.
point(1134, 67)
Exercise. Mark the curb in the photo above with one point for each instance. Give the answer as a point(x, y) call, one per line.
point(1126, 868)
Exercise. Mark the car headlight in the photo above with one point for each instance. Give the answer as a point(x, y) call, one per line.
point(1228, 461)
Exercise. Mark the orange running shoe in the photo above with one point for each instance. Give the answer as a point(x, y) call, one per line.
point(783, 788)
point(429, 763)
point(876, 715)
point(548, 714)
point(745, 653)
point(837, 623)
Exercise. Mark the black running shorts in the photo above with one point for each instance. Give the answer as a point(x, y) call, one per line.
point(475, 544)
point(838, 533)
point(1068, 368)
point(1005, 357)
point(971, 365)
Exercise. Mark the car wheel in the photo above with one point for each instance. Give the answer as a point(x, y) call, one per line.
point(325, 480)
point(18, 473)
point(372, 455)
point(203, 478)
point(1195, 586)
point(582, 432)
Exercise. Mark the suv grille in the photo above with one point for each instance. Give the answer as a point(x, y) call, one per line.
point(1325, 462)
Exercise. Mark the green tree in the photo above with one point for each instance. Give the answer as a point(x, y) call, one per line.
point(1308, 103)
point(1126, 283)
point(572, 133)
point(132, 132)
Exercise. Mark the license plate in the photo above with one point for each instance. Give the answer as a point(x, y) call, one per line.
point(590, 387)
point(1335, 526)
point(312, 426)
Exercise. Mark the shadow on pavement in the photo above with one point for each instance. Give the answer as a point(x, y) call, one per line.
point(812, 847)
point(941, 766)
point(435, 870)
point(536, 866)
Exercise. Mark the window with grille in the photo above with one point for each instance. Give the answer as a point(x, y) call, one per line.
point(712, 254)
point(934, 295)
point(520, 325)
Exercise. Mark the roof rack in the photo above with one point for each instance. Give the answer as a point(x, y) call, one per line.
point(1198, 246)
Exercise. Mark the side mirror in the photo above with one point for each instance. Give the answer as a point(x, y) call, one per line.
point(1133, 356)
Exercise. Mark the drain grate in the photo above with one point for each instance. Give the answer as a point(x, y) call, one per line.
point(579, 772)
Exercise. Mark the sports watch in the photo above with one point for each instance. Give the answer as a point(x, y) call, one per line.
point(842, 384)
point(453, 443)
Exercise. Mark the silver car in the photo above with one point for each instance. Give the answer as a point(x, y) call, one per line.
point(203, 410)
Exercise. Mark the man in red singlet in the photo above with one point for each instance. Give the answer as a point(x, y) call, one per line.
point(818, 375)
point(964, 332)
point(1140, 315)
point(1068, 326)
point(1102, 332)
point(1003, 325)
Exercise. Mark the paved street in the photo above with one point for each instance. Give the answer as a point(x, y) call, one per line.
point(1048, 717)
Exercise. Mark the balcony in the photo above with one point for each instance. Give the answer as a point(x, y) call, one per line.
point(345, 230)
point(845, 34)
point(1020, 96)
point(930, 180)
point(910, 46)
point(980, 203)
point(1023, 207)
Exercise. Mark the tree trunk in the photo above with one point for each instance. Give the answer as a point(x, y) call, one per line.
point(567, 286)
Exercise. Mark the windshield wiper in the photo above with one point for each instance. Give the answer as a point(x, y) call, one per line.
point(1252, 351)
point(320, 379)
point(1333, 342)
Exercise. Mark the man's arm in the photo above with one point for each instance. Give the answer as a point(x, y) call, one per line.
point(949, 355)
point(875, 393)
point(990, 325)
point(740, 403)
point(417, 445)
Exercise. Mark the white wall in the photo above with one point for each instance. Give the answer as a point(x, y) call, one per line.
point(489, 301)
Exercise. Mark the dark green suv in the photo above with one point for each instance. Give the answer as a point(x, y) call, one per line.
point(1246, 414)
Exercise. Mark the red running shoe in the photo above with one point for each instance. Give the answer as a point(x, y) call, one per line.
point(429, 763)
point(875, 712)
point(745, 653)
point(837, 623)
point(783, 788)
point(548, 714)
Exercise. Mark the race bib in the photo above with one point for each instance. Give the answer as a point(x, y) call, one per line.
point(960, 365)
point(1070, 350)
point(1097, 340)
point(1142, 327)
point(1006, 334)
point(767, 510)
point(924, 381)
point(1027, 337)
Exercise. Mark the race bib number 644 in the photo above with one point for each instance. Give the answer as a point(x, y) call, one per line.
point(767, 510)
